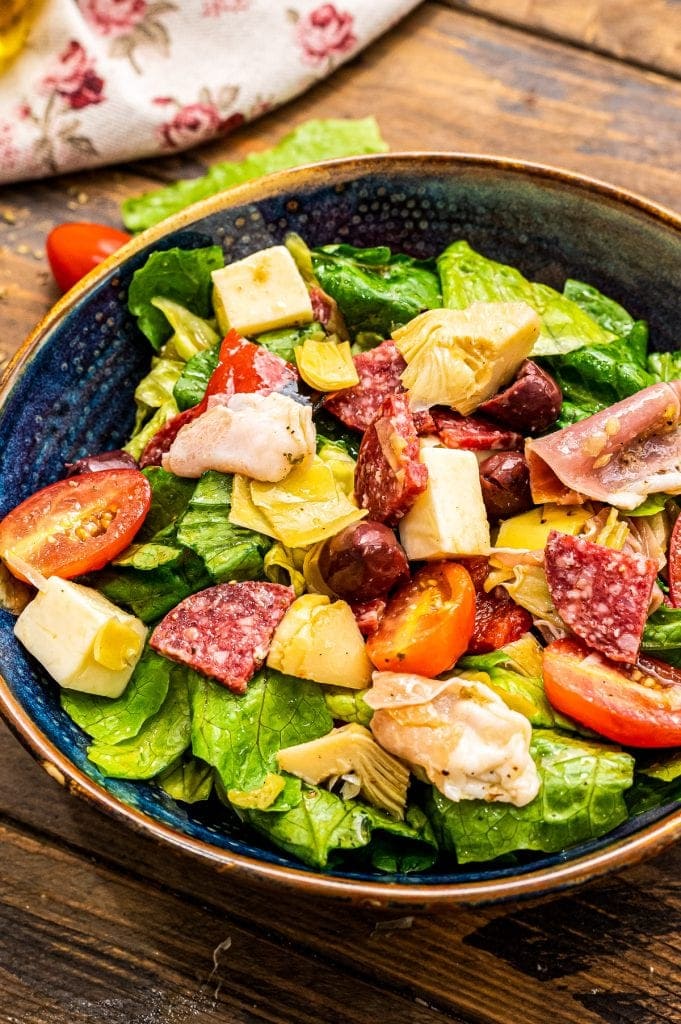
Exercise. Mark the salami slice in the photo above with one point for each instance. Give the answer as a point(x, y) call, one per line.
point(498, 619)
point(224, 631)
point(162, 440)
point(473, 433)
point(379, 377)
point(601, 594)
point(368, 614)
point(389, 474)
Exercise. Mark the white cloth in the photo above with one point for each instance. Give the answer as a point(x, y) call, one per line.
point(102, 81)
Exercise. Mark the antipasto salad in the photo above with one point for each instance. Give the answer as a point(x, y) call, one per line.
point(390, 568)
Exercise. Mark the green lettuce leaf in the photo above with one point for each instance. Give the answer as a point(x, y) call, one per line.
point(189, 781)
point(111, 721)
point(662, 634)
point(309, 142)
point(524, 693)
point(193, 380)
point(332, 431)
point(151, 594)
point(156, 388)
point(170, 496)
point(191, 333)
point(348, 705)
point(142, 435)
point(284, 341)
point(605, 311)
point(665, 366)
point(581, 797)
point(468, 277)
point(228, 552)
point(148, 556)
point(596, 376)
point(653, 504)
point(375, 289)
point(179, 274)
point(162, 739)
point(322, 825)
point(240, 734)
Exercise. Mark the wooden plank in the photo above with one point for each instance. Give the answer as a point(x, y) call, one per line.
point(473, 85)
point(539, 960)
point(645, 34)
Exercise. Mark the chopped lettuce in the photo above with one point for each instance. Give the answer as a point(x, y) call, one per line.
point(111, 721)
point(240, 735)
point(170, 496)
point(348, 705)
point(605, 311)
point(468, 277)
point(156, 388)
point(143, 434)
point(189, 781)
point(662, 635)
point(150, 594)
point(192, 382)
point(581, 797)
point(179, 274)
point(284, 342)
point(375, 289)
point(665, 365)
point(191, 333)
point(229, 552)
point(162, 739)
point(308, 143)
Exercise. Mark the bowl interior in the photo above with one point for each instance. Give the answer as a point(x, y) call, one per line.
point(73, 394)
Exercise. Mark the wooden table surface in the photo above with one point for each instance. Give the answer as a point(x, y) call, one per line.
point(99, 925)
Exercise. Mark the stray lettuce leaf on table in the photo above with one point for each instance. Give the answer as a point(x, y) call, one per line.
point(581, 797)
point(376, 289)
point(468, 277)
point(309, 142)
point(179, 274)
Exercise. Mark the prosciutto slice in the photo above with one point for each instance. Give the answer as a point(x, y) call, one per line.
point(619, 456)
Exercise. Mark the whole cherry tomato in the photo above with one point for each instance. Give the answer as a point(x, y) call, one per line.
point(79, 524)
point(74, 249)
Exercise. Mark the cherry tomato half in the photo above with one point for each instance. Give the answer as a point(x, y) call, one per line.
point(638, 706)
point(73, 249)
point(78, 524)
point(244, 367)
point(428, 622)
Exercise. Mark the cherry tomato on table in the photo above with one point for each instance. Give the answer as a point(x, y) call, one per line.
point(427, 624)
point(638, 705)
point(75, 248)
point(79, 524)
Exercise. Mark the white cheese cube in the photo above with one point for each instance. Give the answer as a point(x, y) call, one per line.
point(261, 292)
point(83, 640)
point(448, 520)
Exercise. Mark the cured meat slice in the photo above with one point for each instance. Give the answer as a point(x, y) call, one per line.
point(618, 456)
point(245, 368)
point(379, 377)
point(368, 614)
point(498, 619)
point(530, 404)
point(224, 631)
point(473, 432)
point(603, 595)
point(163, 439)
point(389, 474)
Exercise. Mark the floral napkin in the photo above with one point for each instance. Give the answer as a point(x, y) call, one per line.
point(102, 81)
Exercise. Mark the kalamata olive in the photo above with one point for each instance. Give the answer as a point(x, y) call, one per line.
point(530, 404)
point(363, 561)
point(505, 482)
point(116, 459)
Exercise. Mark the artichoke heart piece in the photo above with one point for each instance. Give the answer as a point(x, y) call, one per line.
point(530, 531)
point(326, 364)
point(351, 749)
point(308, 506)
point(460, 358)
point(320, 640)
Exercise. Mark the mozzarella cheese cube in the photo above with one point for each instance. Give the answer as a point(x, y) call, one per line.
point(83, 640)
point(448, 520)
point(261, 292)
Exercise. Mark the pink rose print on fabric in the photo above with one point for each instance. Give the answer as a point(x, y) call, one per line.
point(324, 33)
point(75, 78)
point(214, 8)
point(192, 123)
point(132, 25)
point(113, 17)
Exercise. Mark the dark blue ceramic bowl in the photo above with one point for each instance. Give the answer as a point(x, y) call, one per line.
point(69, 392)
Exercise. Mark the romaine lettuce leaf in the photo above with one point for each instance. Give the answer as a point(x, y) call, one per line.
point(191, 333)
point(348, 705)
point(111, 721)
point(170, 496)
point(375, 289)
point(284, 341)
point(581, 797)
point(193, 380)
point(161, 740)
point(151, 594)
point(322, 825)
point(240, 734)
point(605, 311)
point(309, 142)
point(662, 634)
point(142, 435)
point(189, 781)
point(468, 277)
point(156, 388)
point(665, 365)
point(179, 274)
point(657, 782)
point(229, 552)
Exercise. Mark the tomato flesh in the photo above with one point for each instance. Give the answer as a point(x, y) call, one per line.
point(74, 249)
point(245, 368)
point(427, 624)
point(674, 566)
point(638, 706)
point(79, 524)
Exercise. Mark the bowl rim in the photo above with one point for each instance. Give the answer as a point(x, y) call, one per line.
point(624, 852)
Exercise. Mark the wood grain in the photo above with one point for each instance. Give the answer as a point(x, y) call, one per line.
point(646, 34)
